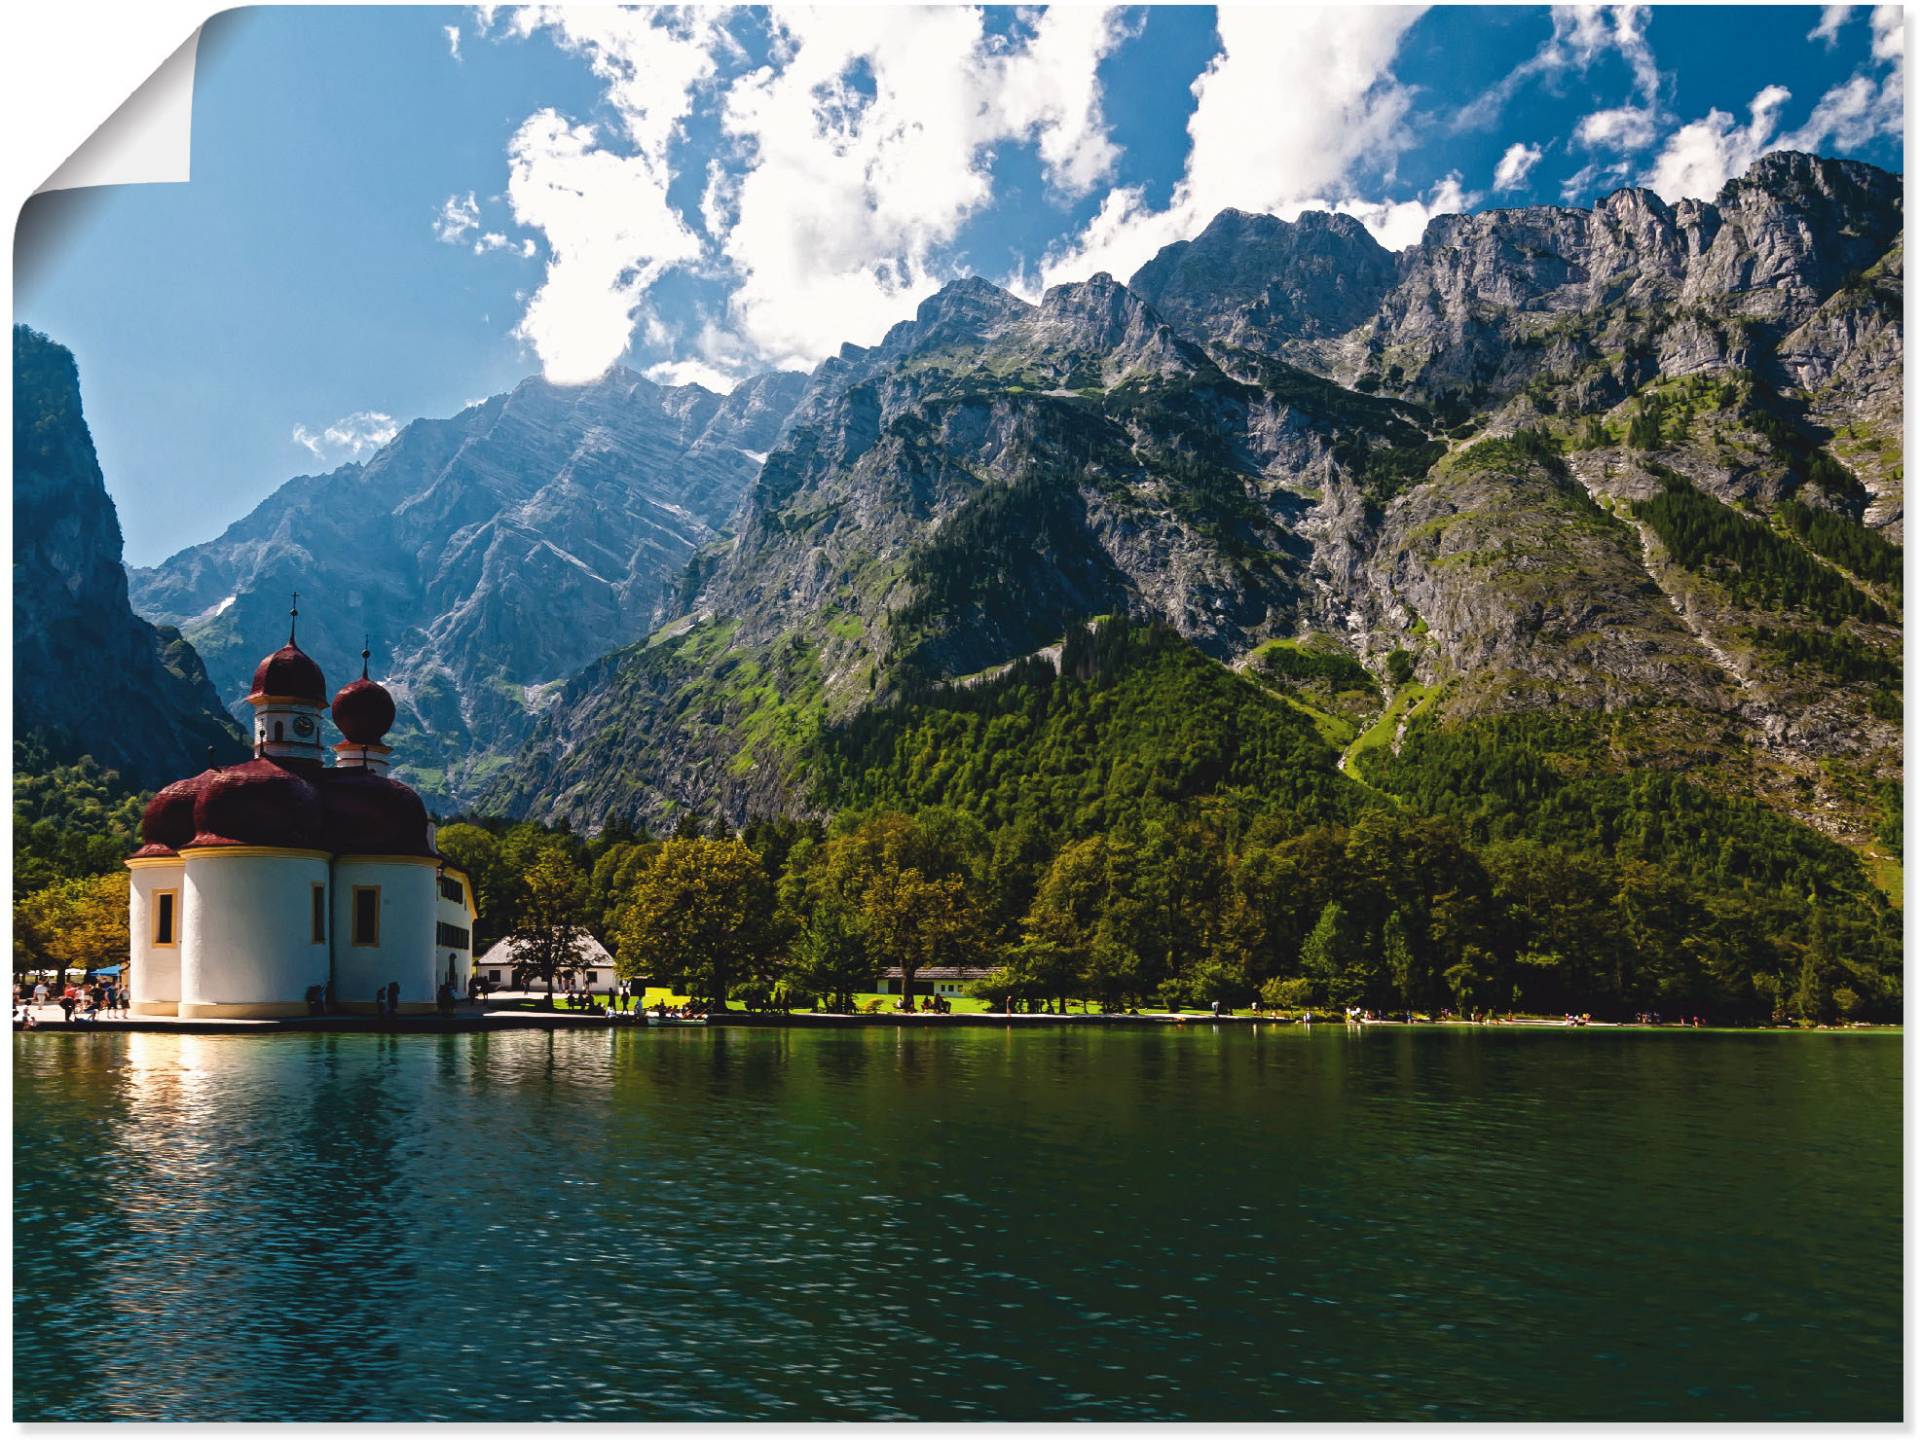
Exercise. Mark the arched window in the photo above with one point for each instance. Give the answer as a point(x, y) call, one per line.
point(279, 731)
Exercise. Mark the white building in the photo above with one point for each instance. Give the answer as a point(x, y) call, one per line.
point(594, 968)
point(260, 880)
point(946, 980)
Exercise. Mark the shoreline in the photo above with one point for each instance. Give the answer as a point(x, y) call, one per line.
point(475, 1021)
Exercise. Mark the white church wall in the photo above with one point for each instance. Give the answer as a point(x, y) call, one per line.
point(454, 915)
point(402, 950)
point(154, 970)
point(248, 949)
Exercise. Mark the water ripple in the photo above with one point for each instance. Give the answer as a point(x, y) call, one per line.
point(972, 1224)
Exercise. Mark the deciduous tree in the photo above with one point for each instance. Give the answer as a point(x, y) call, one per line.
point(700, 909)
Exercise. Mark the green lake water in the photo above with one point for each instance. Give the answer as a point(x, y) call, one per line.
point(1107, 1224)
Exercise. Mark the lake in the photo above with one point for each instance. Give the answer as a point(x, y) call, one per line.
point(1097, 1223)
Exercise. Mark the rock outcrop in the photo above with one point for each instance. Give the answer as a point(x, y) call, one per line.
point(89, 676)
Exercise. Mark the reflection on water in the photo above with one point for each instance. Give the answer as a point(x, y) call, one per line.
point(887, 1224)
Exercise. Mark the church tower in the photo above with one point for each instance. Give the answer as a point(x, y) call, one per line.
point(289, 697)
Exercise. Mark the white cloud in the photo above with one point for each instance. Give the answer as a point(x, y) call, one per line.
point(858, 149)
point(1595, 175)
point(453, 40)
point(1514, 167)
point(353, 435)
point(1700, 157)
point(1832, 17)
point(1626, 127)
point(1050, 89)
point(610, 234)
point(1889, 32)
point(457, 216)
point(1294, 101)
point(1864, 107)
point(1582, 35)
point(1398, 224)
point(652, 61)
point(1632, 127)
point(610, 229)
point(869, 147)
point(692, 372)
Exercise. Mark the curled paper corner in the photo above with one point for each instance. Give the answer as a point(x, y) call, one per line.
point(148, 140)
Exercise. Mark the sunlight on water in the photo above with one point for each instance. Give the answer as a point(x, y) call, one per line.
point(888, 1224)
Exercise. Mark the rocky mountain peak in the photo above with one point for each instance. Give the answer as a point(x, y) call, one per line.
point(1797, 178)
point(1314, 277)
point(1101, 320)
point(966, 312)
point(490, 554)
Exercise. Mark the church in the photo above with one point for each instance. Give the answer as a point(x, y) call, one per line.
point(259, 881)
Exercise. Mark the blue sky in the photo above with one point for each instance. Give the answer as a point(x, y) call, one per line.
point(397, 211)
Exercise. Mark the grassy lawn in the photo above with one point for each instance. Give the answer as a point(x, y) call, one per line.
point(961, 1004)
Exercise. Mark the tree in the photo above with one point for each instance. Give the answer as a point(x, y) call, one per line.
point(1643, 430)
point(611, 883)
point(701, 908)
point(1403, 970)
point(829, 955)
point(1040, 969)
point(1114, 970)
point(913, 881)
point(1330, 957)
point(1221, 978)
point(74, 924)
point(1067, 910)
point(916, 921)
point(68, 820)
point(549, 930)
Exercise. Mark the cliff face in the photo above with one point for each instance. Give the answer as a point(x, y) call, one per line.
point(1793, 271)
point(1279, 433)
point(489, 556)
point(89, 676)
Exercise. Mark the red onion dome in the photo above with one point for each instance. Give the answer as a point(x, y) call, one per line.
point(369, 814)
point(259, 803)
point(289, 673)
point(167, 823)
point(363, 710)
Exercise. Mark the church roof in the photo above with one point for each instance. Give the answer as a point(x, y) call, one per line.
point(296, 803)
point(363, 710)
point(290, 674)
point(167, 823)
point(369, 814)
point(261, 802)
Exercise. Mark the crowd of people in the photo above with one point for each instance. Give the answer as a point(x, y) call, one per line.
point(90, 1000)
point(622, 999)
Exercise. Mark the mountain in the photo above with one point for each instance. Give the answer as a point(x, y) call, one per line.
point(1794, 271)
point(89, 676)
point(488, 556)
point(1636, 466)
